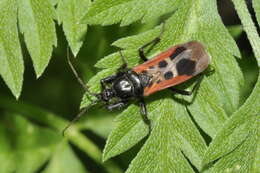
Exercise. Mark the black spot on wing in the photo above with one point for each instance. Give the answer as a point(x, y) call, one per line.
point(177, 52)
point(151, 67)
point(185, 67)
point(168, 75)
point(159, 81)
point(162, 64)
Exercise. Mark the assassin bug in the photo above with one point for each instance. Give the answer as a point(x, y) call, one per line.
point(167, 69)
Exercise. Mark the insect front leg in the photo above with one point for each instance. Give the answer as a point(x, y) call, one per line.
point(143, 112)
point(117, 105)
point(107, 80)
point(154, 42)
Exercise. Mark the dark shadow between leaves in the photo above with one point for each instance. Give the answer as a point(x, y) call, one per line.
point(193, 167)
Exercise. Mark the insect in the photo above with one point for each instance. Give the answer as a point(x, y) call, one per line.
point(165, 70)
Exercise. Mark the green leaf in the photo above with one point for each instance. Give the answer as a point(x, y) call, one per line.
point(129, 131)
point(184, 135)
point(56, 124)
point(37, 25)
point(173, 136)
point(108, 12)
point(248, 26)
point(244, 159)
point(28, 147)
point(11, 61)
point(237, 143)
point(217, 96)
point(69, 14)
point(256, 5)
point(187, 24)
point(54, 2)
point(235, 139)
point(65, 161)
point(209, 105)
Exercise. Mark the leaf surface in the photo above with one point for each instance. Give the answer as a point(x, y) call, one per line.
point(217, 96)
point(69, 14)
point(11, 61)
point(108, 12)
point(37, 25)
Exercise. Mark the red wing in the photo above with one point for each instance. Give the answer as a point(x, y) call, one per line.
point(165, 84)
point(174, 66)
point(154, 60)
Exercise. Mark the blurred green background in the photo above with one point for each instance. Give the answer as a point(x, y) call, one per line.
point(57, 91)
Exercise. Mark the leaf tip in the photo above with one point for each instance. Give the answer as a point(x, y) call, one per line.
point(17, 95)
point(105, 155)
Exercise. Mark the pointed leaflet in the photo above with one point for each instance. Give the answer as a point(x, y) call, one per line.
point(162, 150)
point(241, 132)
point(131, 129)
point(187, 24)
point(69, 14)
point(236, 129)
point(108, 12)
point(246, 156)
point(37, 25)
point(11, 62)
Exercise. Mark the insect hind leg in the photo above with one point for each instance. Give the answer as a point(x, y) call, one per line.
point(154, 42)
point(195, 87)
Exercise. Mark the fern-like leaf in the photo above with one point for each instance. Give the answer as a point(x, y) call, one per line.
point(217, 97)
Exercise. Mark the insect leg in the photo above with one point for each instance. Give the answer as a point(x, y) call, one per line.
point(107, 80)
point(154, 42)
point(143, 112)
point(117, 105)
point(123, 67)
point(184, 92)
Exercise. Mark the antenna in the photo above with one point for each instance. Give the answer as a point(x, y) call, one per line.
point(84, 86)
point(82, 112)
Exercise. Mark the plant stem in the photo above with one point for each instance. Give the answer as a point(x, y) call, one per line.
point(57, 123)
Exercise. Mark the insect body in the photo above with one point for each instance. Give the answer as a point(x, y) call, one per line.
point(171, 67)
